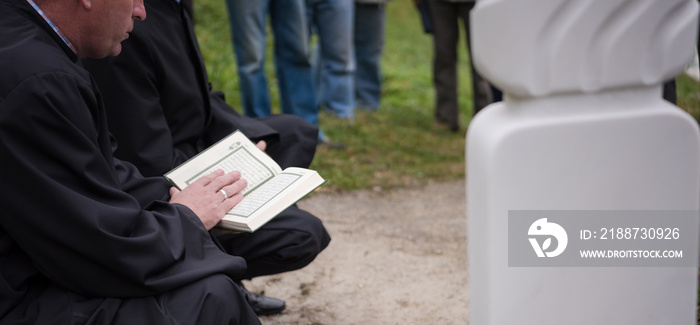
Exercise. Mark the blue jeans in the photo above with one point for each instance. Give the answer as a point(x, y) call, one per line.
point(291, 35)
point(369, 43)
point(334, 67)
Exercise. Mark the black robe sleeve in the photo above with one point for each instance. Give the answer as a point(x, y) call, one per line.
point(70, 211)
point(132, 95)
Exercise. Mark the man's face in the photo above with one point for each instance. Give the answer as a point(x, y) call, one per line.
point(111, 23)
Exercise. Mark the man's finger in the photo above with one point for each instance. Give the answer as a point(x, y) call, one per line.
point(231, 202)
point(225, 180)
point(236, 187)
point(206, 179)
point(262, 145)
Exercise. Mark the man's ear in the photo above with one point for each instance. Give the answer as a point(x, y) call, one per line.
point(87, 4)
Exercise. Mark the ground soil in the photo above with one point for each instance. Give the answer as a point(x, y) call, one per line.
point(396, 257)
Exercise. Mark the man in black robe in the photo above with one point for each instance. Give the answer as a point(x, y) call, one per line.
point(161, 107)
point(162, 111)
point(84, 238)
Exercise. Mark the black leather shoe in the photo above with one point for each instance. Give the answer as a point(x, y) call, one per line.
point(262, 305)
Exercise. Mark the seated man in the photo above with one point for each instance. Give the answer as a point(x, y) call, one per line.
point(162, 111)
point(84, 238)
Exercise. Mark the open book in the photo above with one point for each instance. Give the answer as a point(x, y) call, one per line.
point(270, 189)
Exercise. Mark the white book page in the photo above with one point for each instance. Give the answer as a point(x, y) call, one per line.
point(235, 152)
point(264, 194)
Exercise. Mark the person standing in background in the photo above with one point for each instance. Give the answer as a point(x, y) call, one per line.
point(445, 17)
point(332, 60)
point(369, 43)
point(247, 19)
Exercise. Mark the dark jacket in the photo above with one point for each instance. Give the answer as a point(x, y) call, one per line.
point(77, 225)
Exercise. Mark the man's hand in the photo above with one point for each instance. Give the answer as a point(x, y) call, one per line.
point(205, 197)
point(262, 145)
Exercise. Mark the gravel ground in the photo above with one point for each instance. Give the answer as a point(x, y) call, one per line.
point(396, 257)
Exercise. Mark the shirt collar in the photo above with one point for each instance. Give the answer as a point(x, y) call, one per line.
point(53, 26)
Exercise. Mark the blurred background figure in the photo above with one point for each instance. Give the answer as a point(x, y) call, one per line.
point(446, 15)
point(369, 43)
point(332, 58)
point(247, 19)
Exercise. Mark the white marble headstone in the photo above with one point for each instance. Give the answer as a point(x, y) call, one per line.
point(582, 127)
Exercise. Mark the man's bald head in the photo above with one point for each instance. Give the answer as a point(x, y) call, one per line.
point(95, 27)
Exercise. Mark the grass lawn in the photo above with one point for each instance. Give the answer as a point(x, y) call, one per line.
point(398, 145)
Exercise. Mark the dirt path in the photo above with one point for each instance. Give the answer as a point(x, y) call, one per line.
point(396, 258)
